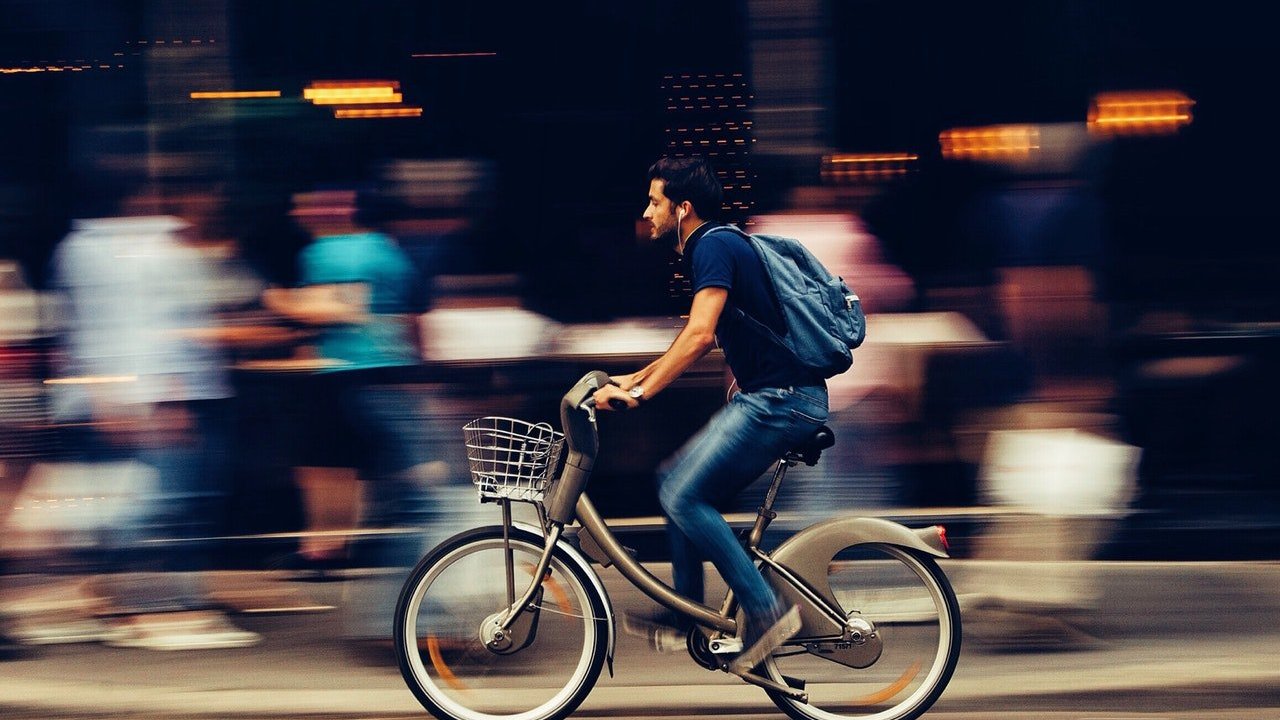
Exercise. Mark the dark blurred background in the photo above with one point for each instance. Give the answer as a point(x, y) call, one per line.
point(1116, 278)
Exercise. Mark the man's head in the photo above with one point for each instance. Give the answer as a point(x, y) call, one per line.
point(683, 192)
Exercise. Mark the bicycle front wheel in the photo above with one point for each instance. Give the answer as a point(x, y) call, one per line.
point(908, 601)
point(460, 586)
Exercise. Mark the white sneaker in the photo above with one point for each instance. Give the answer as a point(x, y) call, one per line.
point(772, 639)
point(200, 630)
point(661, 637)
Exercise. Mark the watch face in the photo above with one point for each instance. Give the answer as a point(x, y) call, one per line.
point(636, 392)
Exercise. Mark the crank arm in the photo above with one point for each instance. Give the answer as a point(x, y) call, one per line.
point(799, 695)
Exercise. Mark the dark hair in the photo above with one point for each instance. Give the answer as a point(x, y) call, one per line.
point(690, 179)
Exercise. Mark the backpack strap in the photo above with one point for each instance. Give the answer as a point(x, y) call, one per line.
point(762, 329)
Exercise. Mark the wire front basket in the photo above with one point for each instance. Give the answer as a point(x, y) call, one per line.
point(511, 458)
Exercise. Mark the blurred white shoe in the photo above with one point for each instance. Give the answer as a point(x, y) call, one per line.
point(195, 630)
point(769, 640)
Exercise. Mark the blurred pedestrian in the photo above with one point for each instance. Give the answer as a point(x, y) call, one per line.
point(360, 292)
point(138, 383)
point(24, 423)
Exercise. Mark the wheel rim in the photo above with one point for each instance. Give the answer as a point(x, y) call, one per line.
point(447, 660)
point(912, 615)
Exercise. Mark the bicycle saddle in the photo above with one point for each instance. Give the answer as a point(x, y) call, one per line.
point(810, 450)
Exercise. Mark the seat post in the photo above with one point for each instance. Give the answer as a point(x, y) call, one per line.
point(765, 514)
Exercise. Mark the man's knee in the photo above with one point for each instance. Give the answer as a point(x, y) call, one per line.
point(675, 494)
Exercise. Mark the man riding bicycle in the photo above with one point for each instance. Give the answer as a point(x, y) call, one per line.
point(778, 405)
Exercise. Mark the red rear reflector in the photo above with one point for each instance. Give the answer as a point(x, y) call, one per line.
point(942, 535)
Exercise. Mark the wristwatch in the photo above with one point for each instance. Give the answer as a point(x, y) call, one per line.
point(637, 393)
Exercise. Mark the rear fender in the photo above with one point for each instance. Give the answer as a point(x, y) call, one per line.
point(808, 554)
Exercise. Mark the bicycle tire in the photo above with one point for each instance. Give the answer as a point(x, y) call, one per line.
point(433, 681)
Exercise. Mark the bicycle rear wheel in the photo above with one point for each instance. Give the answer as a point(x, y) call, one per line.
point(451, 594)
point(913, 609)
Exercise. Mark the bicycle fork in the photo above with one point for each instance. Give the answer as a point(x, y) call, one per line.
point(514, 628)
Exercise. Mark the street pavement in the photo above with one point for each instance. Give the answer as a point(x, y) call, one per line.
point(1041, 639)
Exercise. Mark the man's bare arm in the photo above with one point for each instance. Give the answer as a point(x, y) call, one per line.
point(697, 337)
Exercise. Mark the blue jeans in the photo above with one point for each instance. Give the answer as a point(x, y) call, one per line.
point(739, 443)
point(186, 505)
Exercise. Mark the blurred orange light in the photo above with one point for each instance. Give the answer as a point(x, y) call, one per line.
point(995, 142)
point(454, 55)
point(872, 157)
point(351, 113)
point(859, 167)
point(234, 94)
point(1147, 112)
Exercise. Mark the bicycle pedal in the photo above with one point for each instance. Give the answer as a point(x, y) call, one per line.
point(725, 646)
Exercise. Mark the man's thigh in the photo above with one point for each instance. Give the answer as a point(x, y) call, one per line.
point(739, 443)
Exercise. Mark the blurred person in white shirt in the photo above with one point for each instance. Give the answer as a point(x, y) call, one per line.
point(141, 381)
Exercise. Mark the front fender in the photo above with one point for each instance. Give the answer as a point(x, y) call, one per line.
point(581, 561)
point(809, 553)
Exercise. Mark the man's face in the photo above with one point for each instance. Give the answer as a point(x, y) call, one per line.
point(661, 212)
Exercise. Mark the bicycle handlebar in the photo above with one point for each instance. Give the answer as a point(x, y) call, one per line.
point(577, 418)
point(590, 404)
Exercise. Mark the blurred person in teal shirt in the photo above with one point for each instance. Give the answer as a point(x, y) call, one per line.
point(361, 295)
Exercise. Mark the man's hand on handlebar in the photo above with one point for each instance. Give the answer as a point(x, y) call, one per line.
point(612, 397)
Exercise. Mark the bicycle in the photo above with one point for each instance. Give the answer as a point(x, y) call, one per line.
point(880, 625)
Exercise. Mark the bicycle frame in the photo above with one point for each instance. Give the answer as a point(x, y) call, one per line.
point(583, 444)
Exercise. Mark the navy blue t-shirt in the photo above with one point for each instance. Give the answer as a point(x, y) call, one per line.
point(719, 257)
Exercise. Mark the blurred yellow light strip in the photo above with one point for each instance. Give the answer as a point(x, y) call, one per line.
point(92, 380)
point(358, 99)
point(352, 113)
point(234, 94)
point(352, 92)
point(337, 96)
point(996, 142)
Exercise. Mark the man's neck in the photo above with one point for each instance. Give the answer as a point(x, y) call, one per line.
point(696, 223)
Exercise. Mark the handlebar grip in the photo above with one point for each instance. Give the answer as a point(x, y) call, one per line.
point(615, 403)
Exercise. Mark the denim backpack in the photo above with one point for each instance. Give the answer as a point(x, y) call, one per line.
point(823, 317)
